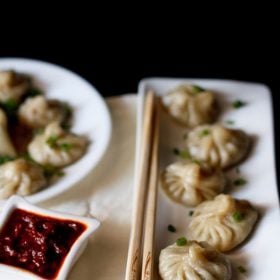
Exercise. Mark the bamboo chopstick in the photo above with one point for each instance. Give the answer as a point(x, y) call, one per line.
point(133, 267)
point(149, 225)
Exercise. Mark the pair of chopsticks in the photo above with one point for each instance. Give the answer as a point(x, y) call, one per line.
point(141, 245)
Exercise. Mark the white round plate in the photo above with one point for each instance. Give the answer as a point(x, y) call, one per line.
point(90, 116)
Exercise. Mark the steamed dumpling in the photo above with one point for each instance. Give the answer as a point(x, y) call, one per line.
point(217, 146)
point(187, 183)
point(190, 105)
point(6, 145)
point(223, 222)
point(12, 85)
point(56, 146)
point(193, 261)
point(20, 177)
point(38, 112)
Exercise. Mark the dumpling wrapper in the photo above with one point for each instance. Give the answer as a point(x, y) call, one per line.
point(218, 147)
point(188, 184)
point(20, 177)
point(37, 112)
point(224, 222)
point(13, 86)
point(190, 106)
point(50, 148)
point(193, 261)
point(6, 145)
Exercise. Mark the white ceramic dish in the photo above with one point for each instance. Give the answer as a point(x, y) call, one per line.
point(12, 273)
point(91, 116)
point(260, 254)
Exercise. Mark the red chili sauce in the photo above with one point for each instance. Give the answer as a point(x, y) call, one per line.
point(37, 243)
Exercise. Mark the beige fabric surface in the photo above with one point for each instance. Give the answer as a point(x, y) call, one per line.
point(106, 193)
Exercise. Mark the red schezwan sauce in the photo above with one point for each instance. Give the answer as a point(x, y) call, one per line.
point(37, 243)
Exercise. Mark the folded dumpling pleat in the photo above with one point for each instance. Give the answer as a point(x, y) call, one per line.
point(188, 184)
point(193, 261)
point(224, 222)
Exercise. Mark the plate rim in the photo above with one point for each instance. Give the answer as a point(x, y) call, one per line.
point(41, 197)
point(142, 89)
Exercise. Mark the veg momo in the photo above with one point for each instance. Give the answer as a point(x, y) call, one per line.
point(194, 261)
point(223, 222)
point(56, 147)
point(217, 146)
point(20, 177)
point(12, 86)
point(190, 105)
point(187, 183)
point(6, 145)
point(38, 112)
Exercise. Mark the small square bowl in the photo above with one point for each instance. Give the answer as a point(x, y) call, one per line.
point(77, 248)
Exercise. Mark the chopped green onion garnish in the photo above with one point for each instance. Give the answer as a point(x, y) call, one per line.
point(204, 132)
point(229, 122)
point(190, 213)
point(171, 228)
point(237, 216)
point(38, 131)
point(66, 126)
point(67, 110)
point(183, 153)
point(176, 151)
point(50, 171)
point(197, 88)
point(238, 104)
point(4, 159)
point(27, 157)
point(241, 269)
point(239, 182)
point(60, 173)
point(67, 114)
point(66, 147)
point(10, 106)
point(52, 141)
point(34, 92)
point(182, 241)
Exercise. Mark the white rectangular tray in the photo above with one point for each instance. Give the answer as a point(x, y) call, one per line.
point(261, 253)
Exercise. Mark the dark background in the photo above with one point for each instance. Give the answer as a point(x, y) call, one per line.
point(116, 68)
point(118, 71)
